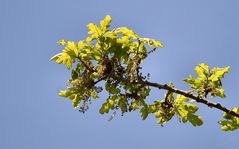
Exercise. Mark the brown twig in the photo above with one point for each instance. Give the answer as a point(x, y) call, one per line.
point(191, 96)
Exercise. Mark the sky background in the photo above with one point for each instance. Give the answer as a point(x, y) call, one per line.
point(32, 116)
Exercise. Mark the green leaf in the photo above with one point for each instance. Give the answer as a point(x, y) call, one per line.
point(71, 49)
point(122, 104)
point(202, 70)
point(104, 108)
point(192, 108)
point(107, 86)
point(67, 56)
point(163, 117)
point(152, 108)
point(195, 120)
point(95, 75)
point(112, 36)
point(76, 101)
point(97, 55)
point(208, 81)
point(199, 84)
point(190, 80)
point(220, 92)
point(227, 125)
point(126, 32)
point(186, 111)
point(115, 91)
point(94, 95)
point(111, 88)
point(105, 24)
point(63, 93)
point(111, 103)
point(180, 99)
point(230, 123)
point(125, 41)
point(151, 42)
point(62, 42)
point(218, 73)
point(135, 105)
point(94, 30)
point(144, 112)
point(146, 92)
point(74, 74)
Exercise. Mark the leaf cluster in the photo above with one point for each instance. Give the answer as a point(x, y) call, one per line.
point(171, 106)
point(230, 122)
point(114, 57)
point(208, 81)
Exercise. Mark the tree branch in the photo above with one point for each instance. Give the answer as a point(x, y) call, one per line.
point(189, 95)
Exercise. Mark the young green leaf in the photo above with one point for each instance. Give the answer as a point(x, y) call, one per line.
point(94, 30)
point(230, 123)
point(218, 73)
point(105, 24)
point(186, 111)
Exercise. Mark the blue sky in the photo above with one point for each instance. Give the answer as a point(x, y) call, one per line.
point(34, 117)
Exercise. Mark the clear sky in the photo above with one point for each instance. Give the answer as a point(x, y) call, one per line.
point(32, 116)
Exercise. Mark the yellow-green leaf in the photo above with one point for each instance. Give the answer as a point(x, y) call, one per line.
point(94, 30)
point(104, 108)
point(126, 32)
point(202, 70)
point(63, 58)
point(195, 120)
point(71, 48)
point(94, 95)
point(218, 73)
point(105, 23)
point(76, 101)
point(63, 93)
point(230, 123)
point(62, 42)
